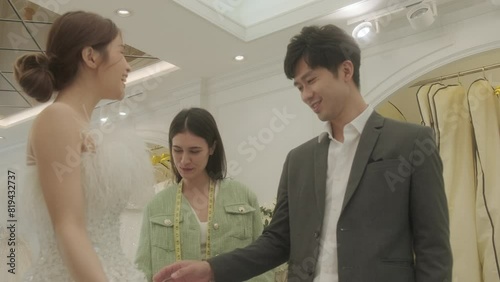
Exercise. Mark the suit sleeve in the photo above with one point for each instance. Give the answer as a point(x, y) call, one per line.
point(270, 250)
point(143, 254)
point(429, 212)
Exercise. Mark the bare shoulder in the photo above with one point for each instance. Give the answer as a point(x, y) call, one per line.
point(57, 117)
point(56, 126)
point(59, 113)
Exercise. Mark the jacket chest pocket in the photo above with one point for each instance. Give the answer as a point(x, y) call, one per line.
point(162, 231)
point(240, 220)
point(391, 175)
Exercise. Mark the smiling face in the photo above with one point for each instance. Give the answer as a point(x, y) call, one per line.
point(190, 154)
point(113, 71)
point(325, 93)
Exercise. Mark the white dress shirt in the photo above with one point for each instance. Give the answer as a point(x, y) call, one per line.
point(340, 158)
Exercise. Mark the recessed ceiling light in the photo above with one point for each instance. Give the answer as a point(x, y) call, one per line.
point(123, 113)
point(1, 137)
point(123, 12)
point(104, 119)
point(239, 58)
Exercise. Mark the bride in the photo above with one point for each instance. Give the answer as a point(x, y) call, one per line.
point(82, 177)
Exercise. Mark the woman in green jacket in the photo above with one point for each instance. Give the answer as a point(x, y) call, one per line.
point(203, 214)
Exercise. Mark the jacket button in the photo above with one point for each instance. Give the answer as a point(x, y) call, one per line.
point(316, 234)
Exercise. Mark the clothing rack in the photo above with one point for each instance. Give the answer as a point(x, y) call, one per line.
point(456, 75)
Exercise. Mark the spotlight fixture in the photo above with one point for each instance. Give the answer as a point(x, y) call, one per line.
point(123, 12)
point(422, 16)
point(420, 13)
point(363, 30)
point(239, 58)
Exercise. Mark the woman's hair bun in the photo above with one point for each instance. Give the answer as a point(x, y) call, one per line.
point(33, 75)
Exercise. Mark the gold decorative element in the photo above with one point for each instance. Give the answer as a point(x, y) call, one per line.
point(159, 156)
point(497, 91)
point(163, 159)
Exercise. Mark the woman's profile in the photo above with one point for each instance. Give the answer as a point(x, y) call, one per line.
point(82, 177)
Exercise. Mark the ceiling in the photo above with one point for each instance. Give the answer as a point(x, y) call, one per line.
point(24, 27)
point(201, 37)
point(202, 49)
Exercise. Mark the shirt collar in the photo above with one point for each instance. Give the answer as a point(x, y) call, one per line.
point(358, 124)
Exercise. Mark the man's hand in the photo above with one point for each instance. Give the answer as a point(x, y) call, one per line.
point(185, 271)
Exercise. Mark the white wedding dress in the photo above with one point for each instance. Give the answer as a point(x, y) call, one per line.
point(116, 169)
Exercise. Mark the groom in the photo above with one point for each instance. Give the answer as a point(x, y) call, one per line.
point(363, 201)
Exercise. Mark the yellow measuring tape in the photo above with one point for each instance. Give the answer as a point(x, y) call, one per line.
point(177, 218)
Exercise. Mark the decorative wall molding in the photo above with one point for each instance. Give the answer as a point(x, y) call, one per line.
point(458, 41)
point(245, 76)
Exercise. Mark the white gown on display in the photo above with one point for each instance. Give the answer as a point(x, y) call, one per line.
point(118, 169)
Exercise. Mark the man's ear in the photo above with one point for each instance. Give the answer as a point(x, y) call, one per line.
point(347, 69)
point(90, 57)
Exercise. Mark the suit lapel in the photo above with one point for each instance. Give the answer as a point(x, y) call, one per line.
point(320, 167)
point(367, 142)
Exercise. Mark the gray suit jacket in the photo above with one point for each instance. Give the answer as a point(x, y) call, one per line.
point(394, 221)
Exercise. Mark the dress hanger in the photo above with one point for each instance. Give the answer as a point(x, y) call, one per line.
point(458, 78)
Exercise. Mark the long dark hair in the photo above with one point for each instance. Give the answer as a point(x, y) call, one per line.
point(201, 123)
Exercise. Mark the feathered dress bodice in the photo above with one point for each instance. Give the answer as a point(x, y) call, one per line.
point(115, 169)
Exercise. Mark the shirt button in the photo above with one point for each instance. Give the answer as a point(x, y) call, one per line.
point(241, 209)
point(316, 234)
point(167, 222)
point(216, 226)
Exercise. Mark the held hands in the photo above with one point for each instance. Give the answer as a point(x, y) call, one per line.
point(185, 271)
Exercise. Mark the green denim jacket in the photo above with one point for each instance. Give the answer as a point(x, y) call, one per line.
point(236, 223)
